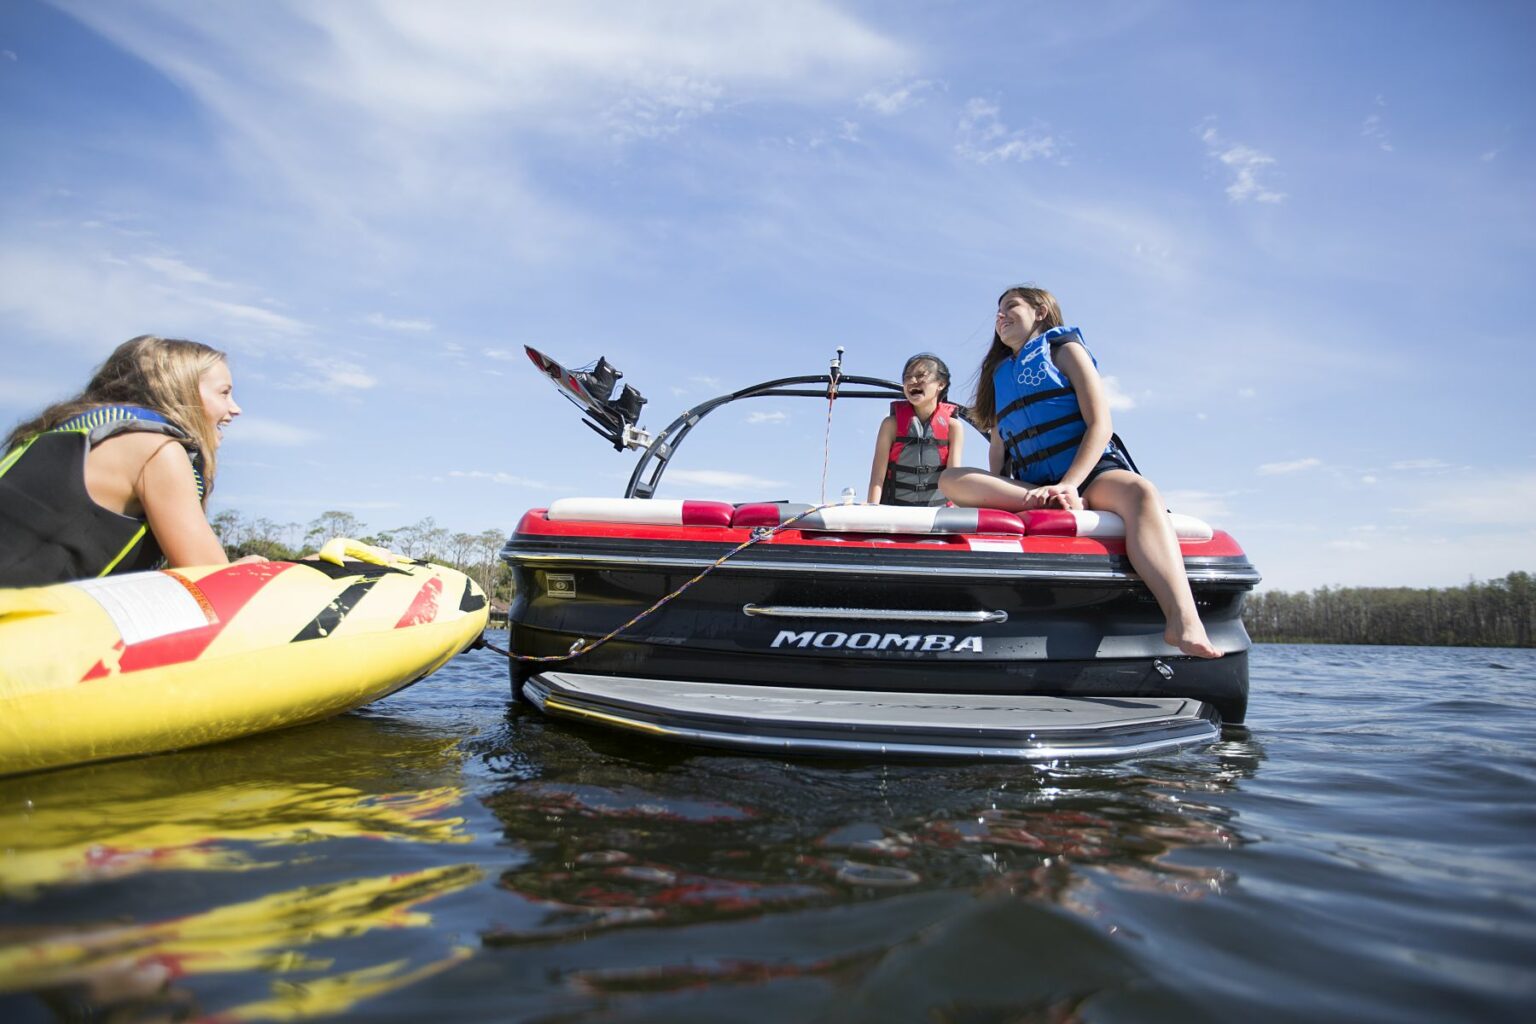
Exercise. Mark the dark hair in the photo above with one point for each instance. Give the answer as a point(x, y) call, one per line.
point(940, 370)
point(984, 408)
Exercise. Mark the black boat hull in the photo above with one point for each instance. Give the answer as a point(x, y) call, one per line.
point(873, 620)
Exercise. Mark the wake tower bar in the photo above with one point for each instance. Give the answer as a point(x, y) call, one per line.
point(617, 417)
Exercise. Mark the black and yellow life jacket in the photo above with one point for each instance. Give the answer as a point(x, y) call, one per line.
point(50, 528)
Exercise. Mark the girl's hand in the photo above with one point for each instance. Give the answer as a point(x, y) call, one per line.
point(1065, 496)
point(1053, 496)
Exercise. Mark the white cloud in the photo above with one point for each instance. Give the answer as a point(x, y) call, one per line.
point(1118, 398)
point(1294, 466)
point(767, 417)
point(255, 316)
point(178, 271)
point(406, 324)
point(894, 101)
point(1207, 505)
point(255, 430)
point(1507, 502)
point(395, 110)
point(502, 354)
point(1295, 560)
point(1374, 131)
point(985, 139)
point(722, 479)
point(1247, 165)
point(331, 374)
point(306, 503)
point(27, 395)
point(499, 478)
point(1420, 464)
point(662, 110)
point(76, 290)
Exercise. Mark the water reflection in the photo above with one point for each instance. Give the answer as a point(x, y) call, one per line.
point(108, 965)
point(258, 844)
point(651, 857)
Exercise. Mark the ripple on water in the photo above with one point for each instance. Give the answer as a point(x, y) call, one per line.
point(1361, 852)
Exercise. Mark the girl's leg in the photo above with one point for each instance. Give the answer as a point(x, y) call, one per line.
point(976, 488)
point(1154, 552)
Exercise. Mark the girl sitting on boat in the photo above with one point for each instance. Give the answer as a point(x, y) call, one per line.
point(922, 435)
point(116, 479)
point(1039, 392)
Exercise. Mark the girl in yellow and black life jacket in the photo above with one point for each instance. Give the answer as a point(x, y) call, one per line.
point(116, 479)
point(922, 435)
point(1053, 446)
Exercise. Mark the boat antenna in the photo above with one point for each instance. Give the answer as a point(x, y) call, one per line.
point(834, 374)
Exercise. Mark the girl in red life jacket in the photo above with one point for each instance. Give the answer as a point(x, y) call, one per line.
point(1053, 445)
point(922, 435)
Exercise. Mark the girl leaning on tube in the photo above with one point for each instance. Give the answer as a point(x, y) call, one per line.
point(117, 478)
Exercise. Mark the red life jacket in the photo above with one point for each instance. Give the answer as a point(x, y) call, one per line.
point(919, 454)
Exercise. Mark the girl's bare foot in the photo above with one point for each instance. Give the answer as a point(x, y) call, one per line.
point(1191, 641)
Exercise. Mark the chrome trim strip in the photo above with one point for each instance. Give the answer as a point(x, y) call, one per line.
point(873, 614)
point(1249, 577)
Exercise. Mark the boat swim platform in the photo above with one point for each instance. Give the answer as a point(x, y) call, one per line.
point(783, 720)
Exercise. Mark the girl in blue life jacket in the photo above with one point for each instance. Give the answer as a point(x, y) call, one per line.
point(922, 435)
point(116, 479)
point(1053, 445)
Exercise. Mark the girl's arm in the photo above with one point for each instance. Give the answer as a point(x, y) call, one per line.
point(883, 439)
point(1094, 403)
point(956, 441)
point(167, 490)
point(995, 453)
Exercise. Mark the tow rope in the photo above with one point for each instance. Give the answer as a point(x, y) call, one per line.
point(834, 373)
point(581, 646)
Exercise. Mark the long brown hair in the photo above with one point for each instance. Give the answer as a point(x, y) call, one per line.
point(1048, 311)
point(162, 374)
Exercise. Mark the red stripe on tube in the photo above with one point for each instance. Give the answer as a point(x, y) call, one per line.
point(995, 520)
point(761, 514)
point(423, 608)
point(1049, 522)
point(226, 591)
point(707, 513)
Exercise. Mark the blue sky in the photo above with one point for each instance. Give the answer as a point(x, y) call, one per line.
point(1297, 236)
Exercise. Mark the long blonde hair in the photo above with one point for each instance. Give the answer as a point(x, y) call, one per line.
point(984, 408)
point(162, 374)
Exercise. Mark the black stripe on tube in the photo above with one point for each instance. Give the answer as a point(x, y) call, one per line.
point(331, 615)
point(471, 601)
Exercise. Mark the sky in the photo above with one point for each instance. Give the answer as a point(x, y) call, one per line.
point(1298, 237)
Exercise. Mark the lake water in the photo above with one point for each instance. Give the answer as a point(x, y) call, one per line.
point(1367, 852)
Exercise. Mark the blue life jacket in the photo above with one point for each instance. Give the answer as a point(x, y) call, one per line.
point(1038, 417)
point(50, 528)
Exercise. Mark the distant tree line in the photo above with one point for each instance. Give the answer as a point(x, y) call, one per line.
point(1498, 613)
point(474, 554)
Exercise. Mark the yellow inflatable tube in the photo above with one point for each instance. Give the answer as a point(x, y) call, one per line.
point(156, 661)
